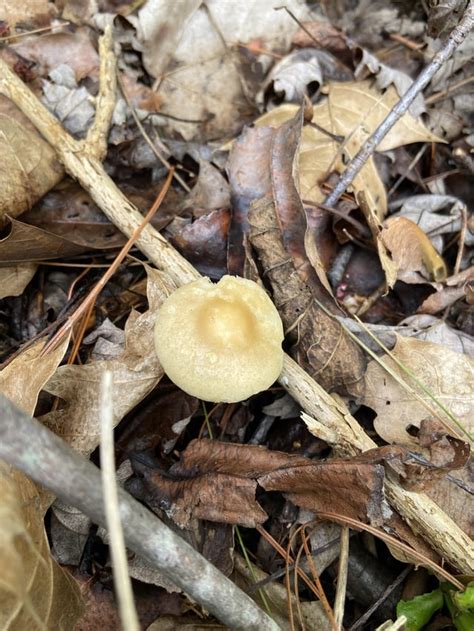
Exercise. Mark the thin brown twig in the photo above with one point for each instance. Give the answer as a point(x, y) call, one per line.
point(95, 291)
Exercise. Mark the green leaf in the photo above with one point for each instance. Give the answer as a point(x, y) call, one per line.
point(465, 600)
point(420, 609)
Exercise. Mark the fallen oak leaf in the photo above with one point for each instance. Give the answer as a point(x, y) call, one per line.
point(217, 481)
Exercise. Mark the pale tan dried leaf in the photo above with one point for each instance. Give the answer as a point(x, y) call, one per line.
point(29, 164)
point(449, 376)
point(35, 593)
point(353, 110)
point(358, 105)
point(207, 83)
point(411, 250)
point(135, 373)
point(15, 278)
point(24, 377)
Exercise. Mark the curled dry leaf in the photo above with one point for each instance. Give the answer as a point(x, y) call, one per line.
point(217, 481)
point(135, 373)
point(411, 250)
point(341, 131)
point(35, 592)
point(29, 164)
point(262, 166)
point(204, 243)
point(320, 345)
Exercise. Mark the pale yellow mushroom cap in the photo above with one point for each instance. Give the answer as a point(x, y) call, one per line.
point(220, 342)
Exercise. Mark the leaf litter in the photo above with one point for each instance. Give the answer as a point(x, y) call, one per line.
point(260, 122)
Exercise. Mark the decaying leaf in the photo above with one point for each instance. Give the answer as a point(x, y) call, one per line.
point(29, 164)
point(34, 591)
point(411, 250)
point(449, 376)
point(135, 373)
point(51, 49)
point(217, 482)
point(352, 111)
point(320, 345)
point(455, 288)
point(262, 168)
point(212, 90)
point(29, 243)
point(15, 278)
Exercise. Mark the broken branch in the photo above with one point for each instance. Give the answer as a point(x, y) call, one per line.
point(49, 461)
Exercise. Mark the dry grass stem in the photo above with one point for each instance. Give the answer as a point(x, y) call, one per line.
point(122, 582)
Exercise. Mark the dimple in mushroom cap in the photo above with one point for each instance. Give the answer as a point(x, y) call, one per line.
point(220, 342)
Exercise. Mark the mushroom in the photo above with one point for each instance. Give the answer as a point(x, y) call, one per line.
point(220, 342)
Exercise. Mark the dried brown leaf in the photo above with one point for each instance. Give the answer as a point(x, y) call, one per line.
point(411, 250)
point(29, 243)
point(248, 169)
point(450, 376)
point(29, 164)
point(54, 49)
point(212, 85)
point(34, 591)
point(320, 345)
point(135, 373)
point(204, 243)
point(217, 481)
point(352, 111)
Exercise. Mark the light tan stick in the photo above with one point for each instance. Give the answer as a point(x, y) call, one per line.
point(334, 422)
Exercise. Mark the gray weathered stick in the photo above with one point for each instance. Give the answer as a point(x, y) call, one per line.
point(355, 165)
point(49, 461)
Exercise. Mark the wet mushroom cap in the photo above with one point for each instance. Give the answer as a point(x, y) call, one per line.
point(220, 342)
